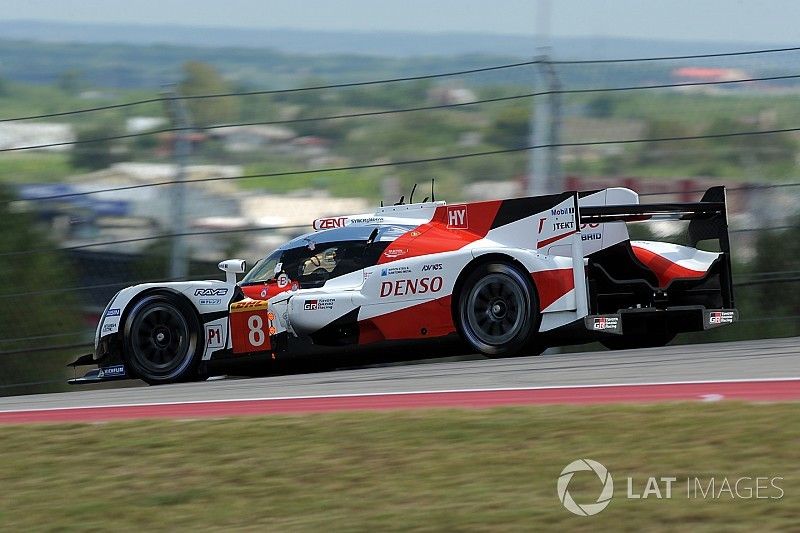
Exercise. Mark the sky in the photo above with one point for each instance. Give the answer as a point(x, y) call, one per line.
point(766, 21)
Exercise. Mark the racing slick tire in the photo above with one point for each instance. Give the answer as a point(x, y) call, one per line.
point(162, 341)
point(498, 310)
point(653, 340)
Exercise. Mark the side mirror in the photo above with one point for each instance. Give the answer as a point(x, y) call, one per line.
point(231, 267)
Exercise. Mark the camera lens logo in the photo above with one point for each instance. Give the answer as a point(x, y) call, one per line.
point(586, 509)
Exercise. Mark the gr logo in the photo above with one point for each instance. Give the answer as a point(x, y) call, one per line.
point(586, 509)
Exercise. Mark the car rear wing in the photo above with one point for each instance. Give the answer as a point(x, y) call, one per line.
point(708, 217)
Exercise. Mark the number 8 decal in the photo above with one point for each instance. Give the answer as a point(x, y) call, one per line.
point(256, 325)
point(250, 326)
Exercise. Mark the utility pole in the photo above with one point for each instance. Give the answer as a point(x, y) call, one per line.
point(544, 168)
point(179, 118)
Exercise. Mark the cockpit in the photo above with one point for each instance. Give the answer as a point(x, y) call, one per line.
point(312, 259)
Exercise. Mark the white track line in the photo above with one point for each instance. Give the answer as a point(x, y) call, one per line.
point(368, 394)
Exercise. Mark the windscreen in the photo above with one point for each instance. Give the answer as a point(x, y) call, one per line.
point(313, 259)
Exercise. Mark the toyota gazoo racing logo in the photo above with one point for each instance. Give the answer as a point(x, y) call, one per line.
point(720, 317)
point(585, 509)
point(603, 323)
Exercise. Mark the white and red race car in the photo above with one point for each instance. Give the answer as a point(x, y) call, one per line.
point(509, 277)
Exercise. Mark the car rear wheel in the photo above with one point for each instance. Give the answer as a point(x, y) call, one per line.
point(498, 311)
point(162, 340)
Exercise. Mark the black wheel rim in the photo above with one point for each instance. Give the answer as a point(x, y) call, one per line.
point(495, 309)
point(160, 338)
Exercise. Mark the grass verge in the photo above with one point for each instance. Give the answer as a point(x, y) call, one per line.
point(425, 470)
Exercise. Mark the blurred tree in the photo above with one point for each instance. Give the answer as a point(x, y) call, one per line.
point(71, 82)
point(601, 107)
point(749, 150)
point(102, 152)
point(34, 315)
point(202, 78)
point(778, 298)
point(653, 153)
point(510, 127)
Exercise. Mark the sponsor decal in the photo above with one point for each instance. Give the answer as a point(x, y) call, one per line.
point(603, 323)
point(434, 266)
point(367, 220)
point(457, 217)
point(721, 317)
point(113, 371)
point(415, 233)
point(112, 312)
point(591, 236)
point(210, 301)
point(558, 223)
point(391, 253)
point(210, 292)
point(391, 271)
point(405, 287)
point(248, 305)
point(283, 280)
point(320, 304)
point(108, 328)
point(214, 337)
point(563, 225)
point(330, 223)
point(562, 211)
point(295, 286)
point(263, 293)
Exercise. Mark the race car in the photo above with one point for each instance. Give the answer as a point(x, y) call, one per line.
point(508, 277)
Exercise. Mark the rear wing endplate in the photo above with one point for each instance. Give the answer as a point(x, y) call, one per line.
point(708, 217)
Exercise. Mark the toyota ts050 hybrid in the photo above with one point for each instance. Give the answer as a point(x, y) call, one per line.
point(509, 277)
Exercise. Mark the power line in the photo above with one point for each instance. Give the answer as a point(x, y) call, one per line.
point(99, 286)
point(152, 238)
point(305, 226)
point(48, 349)
point(362, 114)
point(31, 384)
point(277, 91)
point(770, 228)
point(85, 110)
point(395, 80)
point(792, 279)
point(676, 57)
point(421, 161)
point(87, 141)
point(360, 83)
point(39, 337)
point(728, 189)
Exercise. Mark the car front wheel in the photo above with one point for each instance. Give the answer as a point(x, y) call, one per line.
point(162, 340)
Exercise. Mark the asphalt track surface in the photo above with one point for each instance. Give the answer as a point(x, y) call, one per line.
point(753, 370)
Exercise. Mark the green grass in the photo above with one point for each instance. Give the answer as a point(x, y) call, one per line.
point(35, 167)
point(448, 470)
